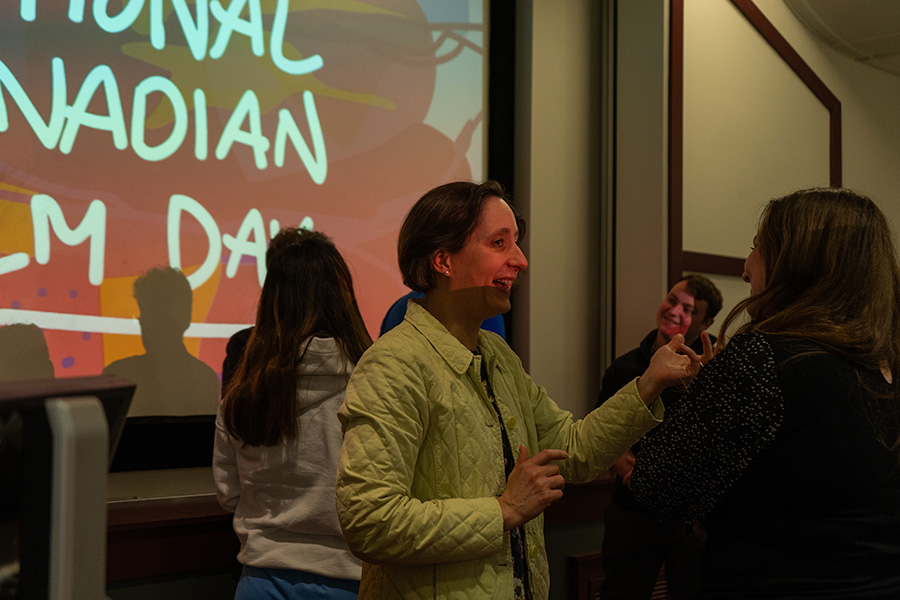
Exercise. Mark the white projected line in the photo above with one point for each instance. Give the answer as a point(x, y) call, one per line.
point(95, 324)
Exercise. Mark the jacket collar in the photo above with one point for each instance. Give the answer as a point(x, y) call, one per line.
point(448, 347)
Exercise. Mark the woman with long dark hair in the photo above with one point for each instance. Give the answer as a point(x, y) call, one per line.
point(277, 432)
point(786, 444)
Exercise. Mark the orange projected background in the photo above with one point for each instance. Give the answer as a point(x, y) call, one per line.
point(182, 133)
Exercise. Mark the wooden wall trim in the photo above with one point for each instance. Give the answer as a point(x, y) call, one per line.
point(586, 575)
point(169, 536)
point(679, 259)
point(166, 536)
point(712, 263)
point(807, 75)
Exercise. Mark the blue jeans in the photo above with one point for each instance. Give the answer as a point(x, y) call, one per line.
point(287, 584)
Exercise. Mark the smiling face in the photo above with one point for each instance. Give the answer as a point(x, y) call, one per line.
point(489, 263)
point(677, 311)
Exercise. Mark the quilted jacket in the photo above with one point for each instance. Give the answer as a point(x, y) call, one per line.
point(421, 465)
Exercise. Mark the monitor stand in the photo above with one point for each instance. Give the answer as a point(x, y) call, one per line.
point(78, 508)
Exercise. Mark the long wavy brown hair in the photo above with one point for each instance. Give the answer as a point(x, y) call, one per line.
point(832, 279)
point(308, 292)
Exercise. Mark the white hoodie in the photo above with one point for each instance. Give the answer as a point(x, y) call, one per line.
point(283, 496)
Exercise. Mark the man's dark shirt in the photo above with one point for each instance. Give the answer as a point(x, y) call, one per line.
point(625, 368)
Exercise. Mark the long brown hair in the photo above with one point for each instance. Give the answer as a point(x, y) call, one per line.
point(832, 278)
point(308, 292)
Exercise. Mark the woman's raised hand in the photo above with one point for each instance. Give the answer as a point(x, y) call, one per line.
point(533, 485)
point(673, 364)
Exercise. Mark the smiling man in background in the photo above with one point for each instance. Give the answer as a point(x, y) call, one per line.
point(636, 543)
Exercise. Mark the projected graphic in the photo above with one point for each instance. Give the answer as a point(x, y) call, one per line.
point(146, 134)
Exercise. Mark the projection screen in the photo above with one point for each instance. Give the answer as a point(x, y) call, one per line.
point(137, 135)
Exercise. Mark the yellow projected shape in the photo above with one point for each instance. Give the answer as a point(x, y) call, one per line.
point(117, 300)
point(16, 232)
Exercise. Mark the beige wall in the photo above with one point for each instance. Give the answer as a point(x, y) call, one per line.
point(870, 101)
point(641, 169)
point(557, 317)
point(752, 132)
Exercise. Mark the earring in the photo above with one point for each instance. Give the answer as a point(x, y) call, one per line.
point(446, 272)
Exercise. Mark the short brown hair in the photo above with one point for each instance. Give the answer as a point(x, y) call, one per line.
point(702, 288)
point(443, 219)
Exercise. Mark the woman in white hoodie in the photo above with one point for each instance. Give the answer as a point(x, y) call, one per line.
point(277, 433)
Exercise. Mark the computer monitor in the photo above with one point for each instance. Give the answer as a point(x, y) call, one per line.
point(56, 440)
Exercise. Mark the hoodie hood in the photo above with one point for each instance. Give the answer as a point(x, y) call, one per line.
point(323, 373)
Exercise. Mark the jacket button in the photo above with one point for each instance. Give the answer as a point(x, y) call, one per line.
point(511, 422)
point(532, 551)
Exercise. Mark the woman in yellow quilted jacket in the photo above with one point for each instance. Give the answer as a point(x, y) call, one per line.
point(451, 452)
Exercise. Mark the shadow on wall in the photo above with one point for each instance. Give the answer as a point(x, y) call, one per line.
point(174, 405)
point(23, 353)
point(170, 380)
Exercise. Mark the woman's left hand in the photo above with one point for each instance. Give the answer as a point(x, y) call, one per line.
point(533, 485)
point(673, 364)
